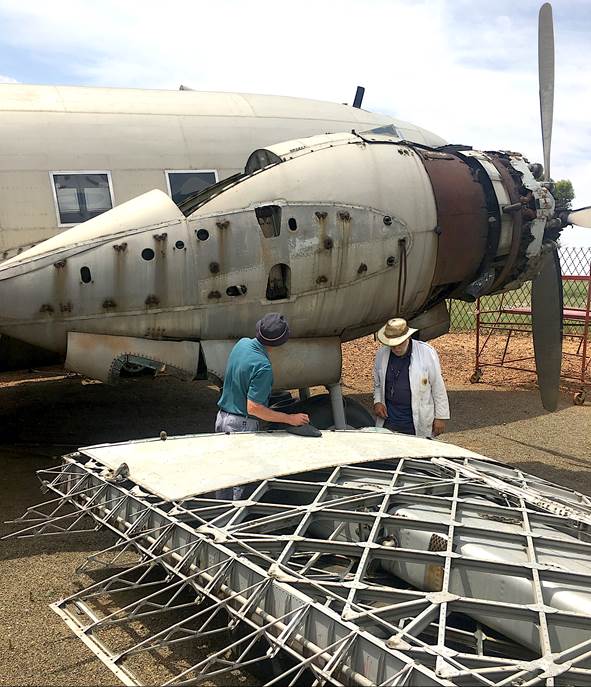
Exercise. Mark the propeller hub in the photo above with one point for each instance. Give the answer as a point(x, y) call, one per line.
point(537, 170)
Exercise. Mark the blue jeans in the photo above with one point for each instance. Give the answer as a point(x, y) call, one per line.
point(229, 423)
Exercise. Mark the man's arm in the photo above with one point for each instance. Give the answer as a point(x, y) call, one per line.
point(263, 413)
point(259, 391)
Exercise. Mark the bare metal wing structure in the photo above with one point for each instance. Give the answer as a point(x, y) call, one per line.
point(403, 562)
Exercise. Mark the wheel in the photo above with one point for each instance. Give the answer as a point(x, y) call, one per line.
point(281, 400)
point(319, 409)
point(476, 376)
point(357, 415)
point(579, 398)
point(129, 369)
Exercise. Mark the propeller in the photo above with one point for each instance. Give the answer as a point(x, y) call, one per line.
point(546, 306)
point(546, 80)
point(546, 295)
point(581, 217)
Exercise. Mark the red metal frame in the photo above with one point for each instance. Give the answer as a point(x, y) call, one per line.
point(511, 319)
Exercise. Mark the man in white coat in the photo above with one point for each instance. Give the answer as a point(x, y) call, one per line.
point(409, 393)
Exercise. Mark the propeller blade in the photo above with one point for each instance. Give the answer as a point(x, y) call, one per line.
point(546, 305)
point(581, 217)
point(546, 79)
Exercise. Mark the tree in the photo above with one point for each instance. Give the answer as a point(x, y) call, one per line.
point(563, 194)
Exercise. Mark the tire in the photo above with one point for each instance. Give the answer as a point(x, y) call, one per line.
point(281, 400)
point(320, 411)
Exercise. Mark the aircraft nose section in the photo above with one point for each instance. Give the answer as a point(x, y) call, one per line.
point(45, 288)
point(152, 208)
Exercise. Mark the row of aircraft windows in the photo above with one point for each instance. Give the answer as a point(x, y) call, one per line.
point(83, 195)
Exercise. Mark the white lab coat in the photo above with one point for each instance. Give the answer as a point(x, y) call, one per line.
point(427, 389)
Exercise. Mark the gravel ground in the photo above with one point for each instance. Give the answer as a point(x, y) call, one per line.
point(45, 414)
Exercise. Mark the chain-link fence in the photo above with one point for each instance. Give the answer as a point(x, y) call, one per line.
point(575, 263)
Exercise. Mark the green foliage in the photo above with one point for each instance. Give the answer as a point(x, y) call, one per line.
point(563, 194)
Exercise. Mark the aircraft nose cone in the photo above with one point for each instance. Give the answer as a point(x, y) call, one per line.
point(42, 289)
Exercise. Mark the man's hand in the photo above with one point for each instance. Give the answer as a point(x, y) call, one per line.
point(260, 411)
point(297, 419)
point(380, 410)
point(438, 427)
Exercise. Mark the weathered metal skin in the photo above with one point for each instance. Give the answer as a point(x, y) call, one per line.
point(299, 363)
point(48, 128)
point(339, 235)
point(102, 357)
point(462, 217)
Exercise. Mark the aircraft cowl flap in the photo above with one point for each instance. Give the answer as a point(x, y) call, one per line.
point(104, 357)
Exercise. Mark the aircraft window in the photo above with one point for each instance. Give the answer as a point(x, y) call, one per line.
point(292, 224)
point(196, 200)
point(269, 219)
point(260, 159)
point(179, 245)
point(183, 184)
point(382, 133)
point(148, 254)
point(85, 275)
point(202, 234)
point(81, 195)
point(279, 282)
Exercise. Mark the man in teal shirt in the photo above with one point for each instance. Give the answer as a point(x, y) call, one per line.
point(248, 382)
point(249, 379)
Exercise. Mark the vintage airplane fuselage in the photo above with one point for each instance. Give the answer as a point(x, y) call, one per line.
point(59, 141)
point(338, 232)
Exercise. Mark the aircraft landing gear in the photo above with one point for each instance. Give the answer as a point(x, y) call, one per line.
point(320, 410)
point(338, 406)
point(304, 394)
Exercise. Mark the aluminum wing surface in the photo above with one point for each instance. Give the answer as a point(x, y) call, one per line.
point(401, 570)
point(188, 465)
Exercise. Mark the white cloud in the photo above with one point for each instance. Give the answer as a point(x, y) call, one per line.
point(7, 79)
point(465, 70)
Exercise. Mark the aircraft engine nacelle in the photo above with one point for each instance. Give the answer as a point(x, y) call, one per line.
point(347, 230)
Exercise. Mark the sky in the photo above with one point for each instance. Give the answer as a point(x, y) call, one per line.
point(465, 69)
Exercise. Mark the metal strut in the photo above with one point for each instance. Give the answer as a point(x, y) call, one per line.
point(356, 576)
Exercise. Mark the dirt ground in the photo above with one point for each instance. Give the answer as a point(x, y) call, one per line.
point(44, 414)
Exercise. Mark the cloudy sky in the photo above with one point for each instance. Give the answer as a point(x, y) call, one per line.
point(465, 69)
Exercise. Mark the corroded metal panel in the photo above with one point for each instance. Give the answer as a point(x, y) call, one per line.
point(101, 357)
point(515, 219)
point(462, 219)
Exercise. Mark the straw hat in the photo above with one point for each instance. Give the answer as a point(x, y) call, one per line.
point(395, 332)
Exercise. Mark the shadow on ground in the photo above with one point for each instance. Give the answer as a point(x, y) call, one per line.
point(45, 417)
point(477, 408)
point(65, 413)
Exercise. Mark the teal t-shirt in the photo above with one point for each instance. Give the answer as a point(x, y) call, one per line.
point(248, 375)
